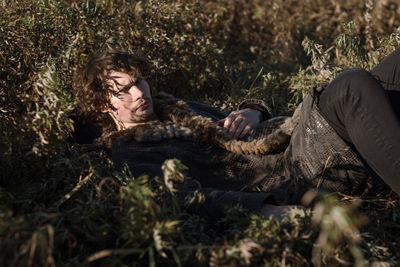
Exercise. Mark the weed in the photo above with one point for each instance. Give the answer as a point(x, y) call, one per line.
point(62, 206)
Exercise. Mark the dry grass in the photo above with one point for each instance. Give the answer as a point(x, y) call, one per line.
point(60, 206)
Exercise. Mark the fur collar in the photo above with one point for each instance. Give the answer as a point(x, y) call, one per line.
point(177, 120)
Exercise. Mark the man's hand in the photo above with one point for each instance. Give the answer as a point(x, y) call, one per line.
point(240, 122)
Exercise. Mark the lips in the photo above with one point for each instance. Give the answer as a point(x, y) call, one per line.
point(143, 106)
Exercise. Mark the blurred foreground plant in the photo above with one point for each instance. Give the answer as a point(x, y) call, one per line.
point(62, 206)
point(339, 224)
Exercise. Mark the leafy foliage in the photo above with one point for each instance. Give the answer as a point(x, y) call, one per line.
point(62, 206)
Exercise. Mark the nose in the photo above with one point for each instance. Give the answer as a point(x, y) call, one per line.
point(136, 93)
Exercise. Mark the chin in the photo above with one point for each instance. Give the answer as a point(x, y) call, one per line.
point(146, 116)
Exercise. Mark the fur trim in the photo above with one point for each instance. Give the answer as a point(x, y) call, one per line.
point(178, 121)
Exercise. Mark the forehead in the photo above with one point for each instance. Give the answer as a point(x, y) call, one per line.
point(120, 78)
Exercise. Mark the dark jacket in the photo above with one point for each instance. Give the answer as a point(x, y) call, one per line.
point(316, 157)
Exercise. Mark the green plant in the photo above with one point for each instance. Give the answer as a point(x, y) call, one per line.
point(63, 206)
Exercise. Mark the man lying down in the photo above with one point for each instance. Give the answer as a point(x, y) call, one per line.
point(243, 157)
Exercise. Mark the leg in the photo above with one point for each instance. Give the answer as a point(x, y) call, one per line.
point(358, 108)
point(388, 74)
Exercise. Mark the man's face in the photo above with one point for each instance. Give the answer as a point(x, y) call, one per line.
point(131, 99)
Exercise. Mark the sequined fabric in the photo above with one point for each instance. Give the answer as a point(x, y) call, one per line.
point(318, 158)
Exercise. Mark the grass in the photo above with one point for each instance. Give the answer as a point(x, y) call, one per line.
point(60, 206)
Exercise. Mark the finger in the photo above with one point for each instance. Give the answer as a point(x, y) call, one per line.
point(240, 129)
point(234, 126)
point(245, 131)
point(220, 122)
point(228, 122)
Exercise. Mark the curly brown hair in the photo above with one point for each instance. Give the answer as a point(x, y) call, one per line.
point(90, 85)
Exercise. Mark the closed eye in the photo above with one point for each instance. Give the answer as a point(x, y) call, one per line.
point(125, 88)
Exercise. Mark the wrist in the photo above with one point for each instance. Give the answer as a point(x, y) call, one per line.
point(260, 116)
point(258, 105)
point(257, 113)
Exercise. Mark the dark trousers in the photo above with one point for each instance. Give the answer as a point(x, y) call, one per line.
point(364, 109)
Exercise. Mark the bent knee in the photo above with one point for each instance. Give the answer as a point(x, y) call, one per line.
point(355, 75)
point(356, 81)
